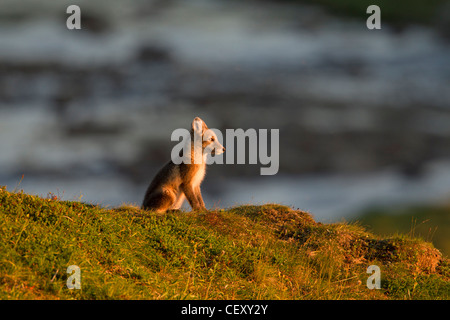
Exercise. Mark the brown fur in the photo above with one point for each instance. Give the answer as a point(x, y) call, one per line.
point(174, 182)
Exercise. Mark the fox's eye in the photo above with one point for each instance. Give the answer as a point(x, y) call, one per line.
point(212, 139)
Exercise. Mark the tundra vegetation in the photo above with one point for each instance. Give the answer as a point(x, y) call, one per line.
point(245, 252)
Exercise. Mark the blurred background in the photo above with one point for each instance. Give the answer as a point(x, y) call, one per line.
point(364, 115)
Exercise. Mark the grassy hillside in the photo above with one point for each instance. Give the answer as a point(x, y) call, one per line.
point(245, 252)
point(431, 223)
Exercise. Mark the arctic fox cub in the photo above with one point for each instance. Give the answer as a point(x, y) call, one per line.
point(175, 182)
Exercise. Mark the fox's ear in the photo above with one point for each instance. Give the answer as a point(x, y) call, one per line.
point(198, 125)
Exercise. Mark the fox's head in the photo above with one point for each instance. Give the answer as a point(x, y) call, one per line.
point(210, 142)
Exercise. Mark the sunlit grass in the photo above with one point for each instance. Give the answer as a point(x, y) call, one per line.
point(245, 252)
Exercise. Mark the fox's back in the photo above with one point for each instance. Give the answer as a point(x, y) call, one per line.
point(171, 176)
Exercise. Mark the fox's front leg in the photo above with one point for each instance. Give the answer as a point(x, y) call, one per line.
point(191, 196)
point(198, 193)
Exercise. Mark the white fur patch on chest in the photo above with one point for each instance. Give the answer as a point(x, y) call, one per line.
point(198, 177)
